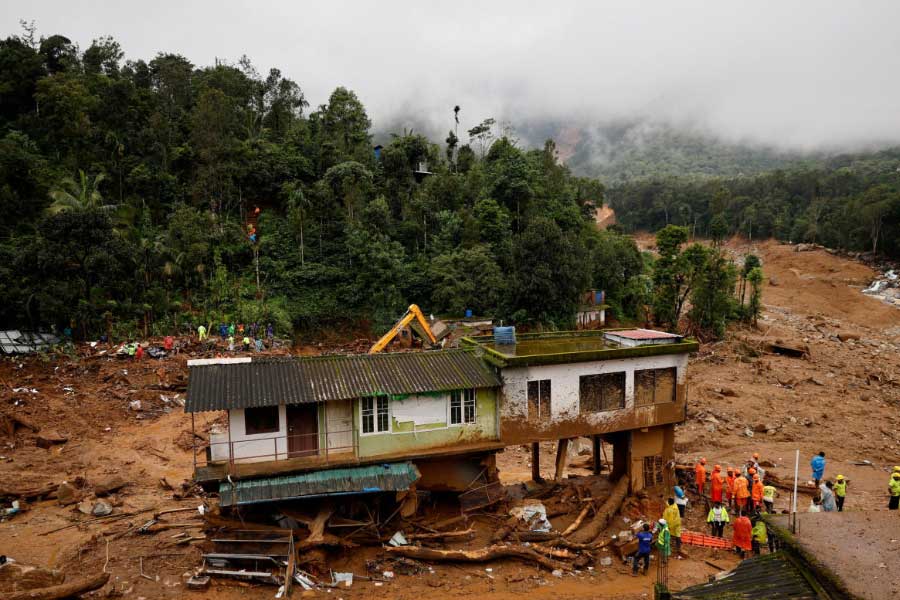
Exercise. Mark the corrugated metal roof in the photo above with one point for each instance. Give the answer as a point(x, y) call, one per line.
point(767, 577)
point(23, 342)
point(390, 477)
point(272, 381)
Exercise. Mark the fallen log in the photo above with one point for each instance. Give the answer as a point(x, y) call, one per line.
point(577, 522)
point(607, 511)
point(65, 590)
point(481, 555)
point(504, 531)
point(29, 493)
point(439, 535)
point(553, 539)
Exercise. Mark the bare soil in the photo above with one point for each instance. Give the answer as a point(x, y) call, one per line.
point(842, 399)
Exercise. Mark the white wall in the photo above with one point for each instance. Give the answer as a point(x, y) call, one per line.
point(564, 386)
point(250, 448)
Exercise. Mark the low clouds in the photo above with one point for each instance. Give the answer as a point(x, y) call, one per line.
point(799, 75)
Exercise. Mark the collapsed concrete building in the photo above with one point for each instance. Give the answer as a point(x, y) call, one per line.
point(305, 427)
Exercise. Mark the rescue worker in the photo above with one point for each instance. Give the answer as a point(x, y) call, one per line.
point(894, 491)
point(741, 493)
point(827, 494)
point(729, 487)
point(231, 343)
point(663, 540)
point(757, 492)
point(716, 484)
point(259, 345)
point(840, 492)
point(717, 517)
point(246, 343)
point(700, 475)
point(168, 343)
point(645, 544)
point(769, 493)
point(201, 333)
point(681, 500)
point(139, 353)
point(742, 534)
point(673, 519)
point(231, 330)
point(760, 536)
point(818, 467)
point(223, 331)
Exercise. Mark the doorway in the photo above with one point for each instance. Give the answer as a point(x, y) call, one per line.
point(303, 429)
point(339, 421)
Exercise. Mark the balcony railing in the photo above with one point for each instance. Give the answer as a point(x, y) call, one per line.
point(324, 447)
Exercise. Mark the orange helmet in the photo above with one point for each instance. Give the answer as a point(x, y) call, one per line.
point(717, 468)
point(702, 461)
point(755, 477)
point(751, 471)
point(756, 455)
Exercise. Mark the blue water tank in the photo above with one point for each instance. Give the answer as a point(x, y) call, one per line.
point(598, 297)
point(468, 313)
point(504, 336)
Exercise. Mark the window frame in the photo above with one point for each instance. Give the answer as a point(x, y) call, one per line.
point(655, 373)
point(464, 400)
point(541, 386)
point(381, 408)
point(623, 401)
point(257, 409)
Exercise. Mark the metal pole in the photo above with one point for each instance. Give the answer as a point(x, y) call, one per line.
point(194, 443)
point(794, 502)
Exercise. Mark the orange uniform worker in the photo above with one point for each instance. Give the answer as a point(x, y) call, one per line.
point(729, 487)
point(757, 492)
point(700, 475)
point(716, 484)
point(741, 493)
point(743, 533)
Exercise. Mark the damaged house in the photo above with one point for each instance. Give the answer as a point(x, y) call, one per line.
point(428, 416)
point(350, 424)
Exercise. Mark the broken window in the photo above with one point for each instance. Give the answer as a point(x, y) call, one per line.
point(653, 470)
point(654, 386)
point(260, 419)
point(375, 415)
point(539, 399)
point(462, 407)
point(605, 391)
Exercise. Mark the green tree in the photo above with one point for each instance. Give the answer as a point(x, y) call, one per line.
point(83, 194)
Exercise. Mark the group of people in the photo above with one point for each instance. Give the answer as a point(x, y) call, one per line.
point(831, 494)
point(251, 336)
point(743, 490)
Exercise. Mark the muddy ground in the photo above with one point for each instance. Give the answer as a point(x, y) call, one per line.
point(842, 399)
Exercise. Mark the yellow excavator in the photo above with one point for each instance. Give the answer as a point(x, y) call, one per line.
point(412, 313)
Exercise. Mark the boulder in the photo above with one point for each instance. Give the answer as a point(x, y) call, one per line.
point(846, 336)
point(107, 486)
point(101, 508)
point(49, 438)
point(66, 494)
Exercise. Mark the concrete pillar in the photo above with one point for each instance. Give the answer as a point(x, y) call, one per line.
point(536, 462)
point(621, 449)
point(562, 458)
point(597, 452)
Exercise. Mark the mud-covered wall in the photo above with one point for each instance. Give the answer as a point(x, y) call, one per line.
point(651, 442)
point(565, 420)
point(406, 436)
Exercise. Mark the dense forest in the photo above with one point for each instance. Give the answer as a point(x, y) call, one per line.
point(129, 189)
point(849, 202)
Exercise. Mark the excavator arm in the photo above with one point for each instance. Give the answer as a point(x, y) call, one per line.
point(412, 313)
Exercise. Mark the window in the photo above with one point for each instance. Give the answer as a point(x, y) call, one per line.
point(539, 399)
point(605, 391)
point(653, 470)
point(654, 386)
point(261, 419)
point(462, 407)
point(375, 415)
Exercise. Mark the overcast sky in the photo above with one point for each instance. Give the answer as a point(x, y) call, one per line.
point(797, 74)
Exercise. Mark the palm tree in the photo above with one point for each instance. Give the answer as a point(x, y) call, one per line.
point(83, 194)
